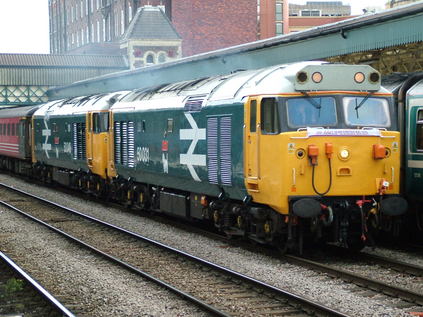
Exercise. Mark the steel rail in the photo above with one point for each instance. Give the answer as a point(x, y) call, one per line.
point(41, 290)
point(359, 280)
point(400, 266)
point(304, 302)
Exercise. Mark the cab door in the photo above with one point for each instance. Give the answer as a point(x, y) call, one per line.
point(251, 145)
point(97, 142)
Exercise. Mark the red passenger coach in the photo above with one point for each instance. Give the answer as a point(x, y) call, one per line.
point(15, 137)
point(9, 139)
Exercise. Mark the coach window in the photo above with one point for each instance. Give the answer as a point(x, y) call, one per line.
point(100, 122)
point(253, 115)
point(269, 116)
point(8, 129)
point(5, 129)
point(419, 131)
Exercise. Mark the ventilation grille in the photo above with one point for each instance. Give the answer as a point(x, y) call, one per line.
point(219, 151)
point(118, 146)
point(131, 144)
point(125, 143)
point(212, 153)
point(225, 151)
point(194, 103)
point(78, 141)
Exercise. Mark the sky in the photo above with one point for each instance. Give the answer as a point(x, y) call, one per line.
point(24, 24)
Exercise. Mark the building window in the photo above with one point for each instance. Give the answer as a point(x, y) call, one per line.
point(104, 30)
point(150, 59)
point(161, 58)
point(122, 22)
point(109, 29)
point(98, 31)
point(279, 12)
point(310, 13)
point(279, 28)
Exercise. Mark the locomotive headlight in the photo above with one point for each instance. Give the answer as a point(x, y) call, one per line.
point(317, 77)
point(344, 154)
point(359, 77)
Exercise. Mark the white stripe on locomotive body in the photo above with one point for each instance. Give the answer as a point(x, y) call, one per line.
point(415, 164)
point(190, 159)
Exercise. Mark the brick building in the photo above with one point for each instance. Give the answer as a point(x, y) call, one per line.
point(98, 26)
point(315, 13)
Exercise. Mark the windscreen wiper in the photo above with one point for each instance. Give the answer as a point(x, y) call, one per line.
point(361, 102)
point(313, 102)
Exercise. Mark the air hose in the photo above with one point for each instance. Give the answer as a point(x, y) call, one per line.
point(330, 180)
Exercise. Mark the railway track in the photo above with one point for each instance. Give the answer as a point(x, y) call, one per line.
point(216, 289)
point(371, 284)
point(21, 295)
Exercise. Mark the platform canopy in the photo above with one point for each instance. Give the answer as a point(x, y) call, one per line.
point(369, 38)
point(25, 78)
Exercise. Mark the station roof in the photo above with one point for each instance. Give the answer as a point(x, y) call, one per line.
point(49, 70)
point(150, 23)
point(389, 28)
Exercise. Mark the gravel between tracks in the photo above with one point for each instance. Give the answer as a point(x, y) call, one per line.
point(142, 299)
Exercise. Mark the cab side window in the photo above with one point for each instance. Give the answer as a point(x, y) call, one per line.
point(100, 122)
point(419, 131)
point(269, 116)
point(253, 115)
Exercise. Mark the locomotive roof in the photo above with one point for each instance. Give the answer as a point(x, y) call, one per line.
point(20, 111)
point(394, 82)
point(235, 86)
point(417, 89)
point(80, 105)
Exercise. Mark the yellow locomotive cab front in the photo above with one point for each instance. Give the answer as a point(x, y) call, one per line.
point(316, 153)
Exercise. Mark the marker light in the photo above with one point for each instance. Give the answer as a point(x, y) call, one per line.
point(374, 77)
point(359, 77)
point(344, 154)
point(302, 77)
point(317, 77)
